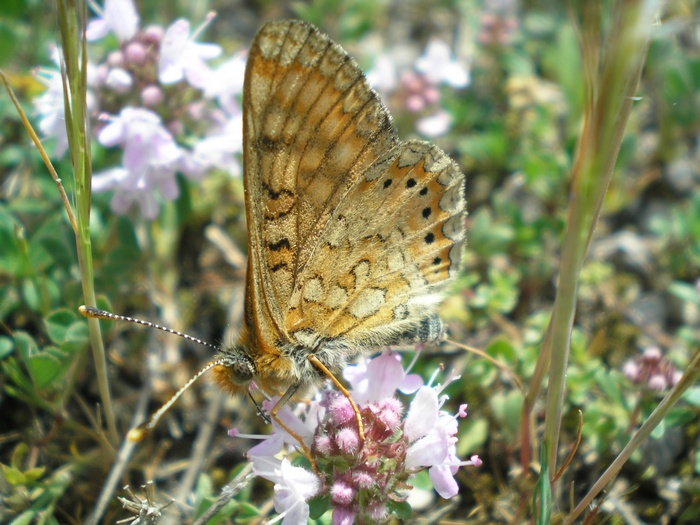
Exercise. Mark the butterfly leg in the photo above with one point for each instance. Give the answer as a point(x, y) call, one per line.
point(273, 414)
point(318, 364)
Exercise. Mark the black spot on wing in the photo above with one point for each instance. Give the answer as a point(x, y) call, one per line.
point(279, 245)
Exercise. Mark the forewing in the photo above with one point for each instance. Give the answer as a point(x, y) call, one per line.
point(312, 127)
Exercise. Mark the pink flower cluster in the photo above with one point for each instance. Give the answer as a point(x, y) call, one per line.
point(652, 370)
point(416, 88)
point(156, 98)
point(362, 479)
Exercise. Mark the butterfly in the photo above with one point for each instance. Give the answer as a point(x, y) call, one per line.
point(351, 232)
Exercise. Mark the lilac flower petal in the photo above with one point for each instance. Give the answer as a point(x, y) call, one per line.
point(429, 450)
point(385, 374)
point(268, 447)
point(167, 186)
point(443, 481)
point(121, 202)
point(181, 58)
point(107, 179)
point(447, 424)
point(434, 125)
point(411, 384)
point(456, 76)
point(122, 17)
point(112, 134)
point(303, 429)
point(197, 74)
point(136, 152)
point(169, 72)
point(96, 29)
point(226, 82)
point(217, 151)
point(343, 516)
point(356, 376)
point(437, 65)
point(119, 80)
point(422, 414)
point(148, 206)
point(119, 16)
point(293, 486)
point(167, 152)
point(172, 51)
point(206, 51)
point(149, 161)
point(383, 76)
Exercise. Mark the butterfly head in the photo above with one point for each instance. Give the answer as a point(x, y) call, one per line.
point(236, 369)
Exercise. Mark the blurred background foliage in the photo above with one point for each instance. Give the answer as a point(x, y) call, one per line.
point(513, 131)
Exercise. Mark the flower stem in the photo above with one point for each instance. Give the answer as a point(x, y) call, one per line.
point(612, 69)
point(72, 15)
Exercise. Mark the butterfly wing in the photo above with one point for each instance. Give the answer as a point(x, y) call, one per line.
point(312, 129)
point(391, 243)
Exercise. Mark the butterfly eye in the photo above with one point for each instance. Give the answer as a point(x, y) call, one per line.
point(240, 367)
point(241, 373)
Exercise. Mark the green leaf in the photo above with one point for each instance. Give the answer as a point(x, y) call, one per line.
point(26, 518)
point(473, 435)
point(25, 345)
point(507, 409)
point(31, 294)
point(685, 292)
point(401, 509)
point(45, 367)
point(77, 337)
point(18, 454)
point(33, 474)
point(692, 396)
point(247, 511)
point(57, 324)
point(13, 476)
point(204, 492)
point(501, 346)
point(7, 346)
point(319, 506)
point(61, 253)
point(659, 430)
point(679, 417)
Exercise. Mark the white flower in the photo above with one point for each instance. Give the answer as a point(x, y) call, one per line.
point(119, 80)
point(49, 105)
point(226, 83)
point(437, 65)
point(294, 486)
point(217, 150)
point(434, 125)
point(383, 76)
point(182, 58)
point(118, 16)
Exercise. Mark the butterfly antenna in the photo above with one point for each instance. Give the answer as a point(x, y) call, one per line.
point(139, 432)
point(96, 313)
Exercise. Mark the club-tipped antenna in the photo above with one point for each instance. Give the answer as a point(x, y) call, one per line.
point(139, 432)
point(97, 313)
